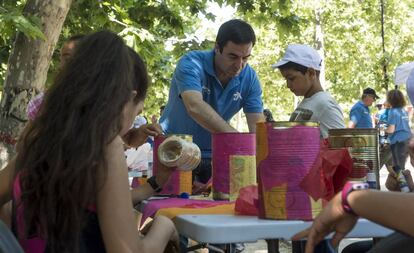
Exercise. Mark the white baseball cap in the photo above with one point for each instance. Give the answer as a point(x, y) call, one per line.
point(301, 54)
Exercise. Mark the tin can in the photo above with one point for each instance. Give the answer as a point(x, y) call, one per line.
point(178, 152)
point(362, 144)
point(180, 180)
point(233, 163)
point(287, 124)
point(285, 154)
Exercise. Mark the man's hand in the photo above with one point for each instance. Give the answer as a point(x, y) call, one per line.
point(135, 137)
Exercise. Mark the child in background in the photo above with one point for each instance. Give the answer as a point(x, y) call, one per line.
point(300, 66)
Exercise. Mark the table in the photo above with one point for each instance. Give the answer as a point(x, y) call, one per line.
point(225, 229)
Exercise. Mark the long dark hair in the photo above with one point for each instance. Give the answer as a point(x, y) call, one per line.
point(63, 150)
point(396, 99)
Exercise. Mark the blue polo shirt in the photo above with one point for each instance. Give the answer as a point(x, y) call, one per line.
point(195, 71)
point(399, 118)
point(360, 115)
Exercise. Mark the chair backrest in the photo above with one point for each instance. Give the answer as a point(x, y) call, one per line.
point(8, 243)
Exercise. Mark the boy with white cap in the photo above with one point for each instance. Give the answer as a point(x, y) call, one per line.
point(300, 66)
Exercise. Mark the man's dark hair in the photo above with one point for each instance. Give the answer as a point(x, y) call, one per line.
point(75, 38)
point(295, 66)
point(236, 31)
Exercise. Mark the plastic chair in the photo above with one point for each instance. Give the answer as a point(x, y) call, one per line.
point(8, 243)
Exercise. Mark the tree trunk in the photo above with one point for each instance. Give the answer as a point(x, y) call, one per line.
point(319, 42)
point(28, 65)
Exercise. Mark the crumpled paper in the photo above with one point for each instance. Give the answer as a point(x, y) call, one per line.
point(247, 202)
point(328, 174)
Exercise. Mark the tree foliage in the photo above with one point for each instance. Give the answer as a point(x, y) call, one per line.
point(146, 26)
point(11, 21)
point(352, 43)
point(161, 31)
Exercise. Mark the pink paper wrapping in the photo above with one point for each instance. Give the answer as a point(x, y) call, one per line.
point(284, 157)
point(179, 181)
point(226, 146)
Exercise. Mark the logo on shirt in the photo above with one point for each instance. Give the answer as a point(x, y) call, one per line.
point(301, 114)
point(237, 96)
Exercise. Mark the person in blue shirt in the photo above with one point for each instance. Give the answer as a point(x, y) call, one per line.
point(398, 128)
point(209, 87)
point(360, 116)
point(381, 121)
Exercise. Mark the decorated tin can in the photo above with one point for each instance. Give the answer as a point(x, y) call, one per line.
point(285, 154)
point(180, 180)
point(362, 144)
point(233, 163)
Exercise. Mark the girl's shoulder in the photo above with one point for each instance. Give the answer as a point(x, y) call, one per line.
point(116, 143)
point(115, 151)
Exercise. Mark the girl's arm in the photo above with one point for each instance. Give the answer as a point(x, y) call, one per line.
point(6, 182)
point(145, 191)
point(390, 209)
point(115, 210)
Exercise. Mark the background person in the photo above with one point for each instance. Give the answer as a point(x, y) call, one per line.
point(65, 54)
point(360, 116)
point(398, 128)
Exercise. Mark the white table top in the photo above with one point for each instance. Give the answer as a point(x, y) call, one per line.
point(232, 228)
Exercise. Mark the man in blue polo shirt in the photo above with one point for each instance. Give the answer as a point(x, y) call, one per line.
point(360, 116)
point(209, 87)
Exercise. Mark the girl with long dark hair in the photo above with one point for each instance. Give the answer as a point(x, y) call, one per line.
point(398, 128)
point(69, 181)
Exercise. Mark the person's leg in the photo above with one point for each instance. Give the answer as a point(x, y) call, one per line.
point(394, 154)
point(401, 153)
point(385, 156)
point(396, 242)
